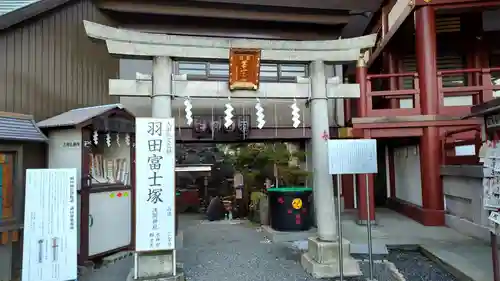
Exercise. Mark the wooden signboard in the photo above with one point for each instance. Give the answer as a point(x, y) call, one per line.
point(244, 69)
point(492, 122)
point(209, 127)
point(155, 170)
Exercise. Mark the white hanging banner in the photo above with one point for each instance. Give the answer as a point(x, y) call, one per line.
point(155, 182)
point(50, 230)
point(352, 156)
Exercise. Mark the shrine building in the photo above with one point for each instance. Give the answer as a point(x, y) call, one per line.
point(403, 72)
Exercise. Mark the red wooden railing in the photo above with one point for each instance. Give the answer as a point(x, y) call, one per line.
point(479, 87)
point(461, 137)
point(413, 94)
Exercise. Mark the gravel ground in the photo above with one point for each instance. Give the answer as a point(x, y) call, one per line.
point(417, 267)
point(238, 252)
point(381, 271)
point(217, 251)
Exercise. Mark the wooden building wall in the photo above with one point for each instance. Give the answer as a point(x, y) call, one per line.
point(48, 65)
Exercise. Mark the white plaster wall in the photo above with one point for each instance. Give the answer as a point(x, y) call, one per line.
point(407, 174)
point(111, 216)
point(448, 101)
point(458, 101)
point(463, 193)
point(65, 157)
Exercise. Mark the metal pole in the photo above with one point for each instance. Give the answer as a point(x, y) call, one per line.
point(339, 231)
point(369, 228)
point(136, 265)
point(494, 255)
point(174, 262)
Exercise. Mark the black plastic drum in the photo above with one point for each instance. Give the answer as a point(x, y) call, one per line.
point(290, 208)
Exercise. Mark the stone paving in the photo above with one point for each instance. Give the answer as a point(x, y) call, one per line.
point(223, 251)
point(240, 252)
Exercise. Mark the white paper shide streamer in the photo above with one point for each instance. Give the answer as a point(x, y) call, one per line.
point(95, 137)
point(260, 115)
point(108, 139)
point(228, 115)
point(189, 113)
point(295, 114)
point(127, 139)
point(118, 139)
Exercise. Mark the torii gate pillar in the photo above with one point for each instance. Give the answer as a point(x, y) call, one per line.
point(161, 98)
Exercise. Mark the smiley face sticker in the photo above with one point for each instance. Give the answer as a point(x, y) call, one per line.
point(297, 203)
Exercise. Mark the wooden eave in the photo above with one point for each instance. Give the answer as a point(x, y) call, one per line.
point(225, 11)
point(352, 5)
point(30, 11)
point(487, 108)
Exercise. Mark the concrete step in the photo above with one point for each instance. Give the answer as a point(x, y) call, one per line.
point(362, 249)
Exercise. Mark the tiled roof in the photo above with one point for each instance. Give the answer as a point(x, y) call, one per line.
point(77, 116)
point(7, 6)
point(19, 127)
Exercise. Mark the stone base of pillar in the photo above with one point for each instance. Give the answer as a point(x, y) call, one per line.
point(156, 266)
point(178, 277)
point(365, 222)
point(321, 260)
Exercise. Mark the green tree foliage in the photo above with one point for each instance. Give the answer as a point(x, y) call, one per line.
point(203, 153)
point(259, 161)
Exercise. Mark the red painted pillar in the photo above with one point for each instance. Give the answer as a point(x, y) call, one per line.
point(348, 191)
point(362, 206)
point(392, 65)
point(432, 191)
point(348, 180)
point(347, 111)
point(361, 78)
point(363, 106)
point(392, 173)
point(430, 149)
point(426, 53)
point(389, 57)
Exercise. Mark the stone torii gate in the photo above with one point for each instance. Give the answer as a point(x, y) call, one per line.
point(321, 259)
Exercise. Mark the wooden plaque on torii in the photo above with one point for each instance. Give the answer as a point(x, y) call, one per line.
point(244, 69)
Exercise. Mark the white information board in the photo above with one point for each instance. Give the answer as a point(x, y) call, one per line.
point(50, 230)
point(352, 156)
point(155, 184)
point(490, 156)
